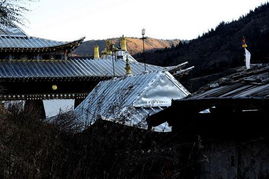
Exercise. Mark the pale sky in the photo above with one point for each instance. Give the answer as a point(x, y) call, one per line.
point(68, 20)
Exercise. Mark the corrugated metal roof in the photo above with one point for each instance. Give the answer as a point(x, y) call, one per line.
point(30, 42)
point(11, 31)
point(14, 37)
point(253, 83)
point(131, 99)
point(68, 68)
point(177, 70)
point(238, 96)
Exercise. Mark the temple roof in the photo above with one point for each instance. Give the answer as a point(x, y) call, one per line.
point(14, 39)
point(18, 43)
point(11, 31)
point(76, 68)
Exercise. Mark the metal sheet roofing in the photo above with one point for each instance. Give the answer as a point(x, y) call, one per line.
point(130, 100)
point(177, 70)
point(14, 37)
point(30, 42)
point(11, 31)
point(253, 83)
point(19, 69)
point(243, 93)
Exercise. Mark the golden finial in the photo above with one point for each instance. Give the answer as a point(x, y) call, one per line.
point(96, 52)
point(128, 67)
point(109, 46)
point(123, 43)
point(244, 44)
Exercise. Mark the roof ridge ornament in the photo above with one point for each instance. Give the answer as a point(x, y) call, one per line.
point(247, 54)
point(96, 52)
point(128, 67)
point(123, 43)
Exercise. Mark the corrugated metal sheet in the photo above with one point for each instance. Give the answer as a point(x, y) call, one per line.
point(242, 95)
point(29, 42)
point(11, 31)
point(120, 99)
point(11, 37)
point(177, 70)
point(253, 83)
point(68, 68)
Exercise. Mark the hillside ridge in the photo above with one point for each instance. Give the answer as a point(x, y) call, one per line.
point(134, 45)
point(220, 49)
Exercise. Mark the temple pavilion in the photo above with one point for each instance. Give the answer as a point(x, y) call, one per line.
point(34, 69)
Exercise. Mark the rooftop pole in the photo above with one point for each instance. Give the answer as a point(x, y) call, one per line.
point(113, 56)
point(143, 39)
point(247, 53)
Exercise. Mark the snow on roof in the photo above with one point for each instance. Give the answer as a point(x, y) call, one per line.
point(131, 99)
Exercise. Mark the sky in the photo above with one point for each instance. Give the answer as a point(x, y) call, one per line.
point(68, 20)
point(53, 107)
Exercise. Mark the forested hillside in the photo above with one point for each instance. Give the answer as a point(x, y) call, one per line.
point(220, 48)
point(134, 45)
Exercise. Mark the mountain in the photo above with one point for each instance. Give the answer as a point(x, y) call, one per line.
point(220, 49)
point(134, 45)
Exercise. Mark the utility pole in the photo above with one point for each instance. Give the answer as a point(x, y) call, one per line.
point(143, 39)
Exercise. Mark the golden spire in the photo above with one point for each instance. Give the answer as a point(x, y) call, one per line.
point(128, 67)
point(109, 47)
point(123, 44)
point(96, 52)
point(244, 44)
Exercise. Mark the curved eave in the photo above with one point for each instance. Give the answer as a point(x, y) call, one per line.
point(69, 46)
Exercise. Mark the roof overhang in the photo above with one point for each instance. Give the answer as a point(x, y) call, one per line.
point(68, 46)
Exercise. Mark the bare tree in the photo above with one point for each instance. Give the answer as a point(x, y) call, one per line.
point(11, 12)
